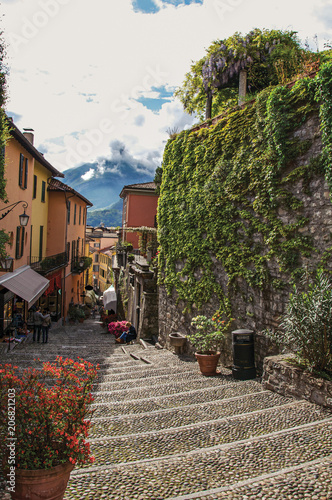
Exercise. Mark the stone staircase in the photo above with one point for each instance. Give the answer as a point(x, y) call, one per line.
point(163, 431)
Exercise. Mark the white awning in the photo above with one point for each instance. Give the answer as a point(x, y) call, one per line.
point(109, 299)
point(25, 283)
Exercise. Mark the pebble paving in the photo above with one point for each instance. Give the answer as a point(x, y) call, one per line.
point(162, 431)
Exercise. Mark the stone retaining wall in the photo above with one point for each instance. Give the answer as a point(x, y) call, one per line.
point(288, 380)
point(254, 308)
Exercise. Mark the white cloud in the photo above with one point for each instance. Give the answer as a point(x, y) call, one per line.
point(77, 67)
point(88, 175)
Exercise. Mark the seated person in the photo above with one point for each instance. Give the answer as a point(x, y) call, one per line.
point(22, 331)
point(127, 336)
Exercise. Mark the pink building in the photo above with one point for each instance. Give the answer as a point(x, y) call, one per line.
point(140, 203)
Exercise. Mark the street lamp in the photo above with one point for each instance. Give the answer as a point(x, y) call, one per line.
point(24, 218)
point(6, 264)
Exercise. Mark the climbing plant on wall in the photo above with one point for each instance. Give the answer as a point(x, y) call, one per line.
point(225, 187)
point(4, 238)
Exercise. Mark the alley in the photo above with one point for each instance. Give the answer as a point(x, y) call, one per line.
point(163, 431)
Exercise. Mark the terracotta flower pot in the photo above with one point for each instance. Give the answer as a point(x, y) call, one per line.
point(208, 363)
point(44, 484)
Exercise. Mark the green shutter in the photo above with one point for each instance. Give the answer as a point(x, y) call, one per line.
point(34, 186)
point(22, 240)
point(17, 249)
point(26, 173)
point(41, 234)
point(43, 191)
point(20, 173)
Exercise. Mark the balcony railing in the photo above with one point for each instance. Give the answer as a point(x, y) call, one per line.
point(48, 264)
point(80, 264)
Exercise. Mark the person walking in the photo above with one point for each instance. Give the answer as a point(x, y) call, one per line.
point(37, 321)
point(46, 324)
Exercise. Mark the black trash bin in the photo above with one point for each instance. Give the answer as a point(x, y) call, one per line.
point(243, 355)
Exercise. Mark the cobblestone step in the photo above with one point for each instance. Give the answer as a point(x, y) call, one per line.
point(170, 387)
point(142, 371)
point(205, 469)
point(182, 439)
point(162, 431)
point(179, 378)
point(310, 481)
point(129, 406)
point(185, 415)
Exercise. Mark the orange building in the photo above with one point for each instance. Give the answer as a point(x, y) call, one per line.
point(22, 287)
point(140, 203)
point(66, 233)
point(46, 256)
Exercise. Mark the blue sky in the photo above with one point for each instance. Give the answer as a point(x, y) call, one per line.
point(150, 7)
point(85, 74)
point(159, 96)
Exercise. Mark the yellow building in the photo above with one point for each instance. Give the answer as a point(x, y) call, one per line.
point(26, 174)
point(105, 269)
point(101, 240)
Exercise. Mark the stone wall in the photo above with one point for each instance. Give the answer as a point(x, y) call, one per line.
point(254, 308)
point(137, 293)
point(289, 380)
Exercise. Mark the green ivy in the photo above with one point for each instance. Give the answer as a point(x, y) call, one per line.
point(226, 187)
point(323, 95)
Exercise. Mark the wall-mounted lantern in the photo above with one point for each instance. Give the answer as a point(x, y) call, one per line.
point(24, 218)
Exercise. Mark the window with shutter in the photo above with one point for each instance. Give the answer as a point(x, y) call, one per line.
point(41, 236)
point(18, 244)
point(43, 191)
point(26, 173)
point(22, 239)
point(20, 173)
point(34, 194)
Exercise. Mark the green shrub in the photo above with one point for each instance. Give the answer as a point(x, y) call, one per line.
point(306, 327)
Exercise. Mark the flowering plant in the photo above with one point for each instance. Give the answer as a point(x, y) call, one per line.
point(209, 333)
point(117, 327)
point(43, 413)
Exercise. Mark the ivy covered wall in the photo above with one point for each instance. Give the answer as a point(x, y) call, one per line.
point(245, 206)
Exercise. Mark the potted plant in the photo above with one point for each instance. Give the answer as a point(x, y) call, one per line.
point(44, 422)
point(80, 314)
point(131, 258)
point(76, 313)
point(207, 338)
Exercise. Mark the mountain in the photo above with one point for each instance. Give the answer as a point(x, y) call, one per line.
point(110, 217)
point(102, 182)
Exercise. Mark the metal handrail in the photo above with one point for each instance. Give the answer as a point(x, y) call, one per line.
point(50, 263)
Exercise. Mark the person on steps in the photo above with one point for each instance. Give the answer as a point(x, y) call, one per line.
point(46, 324)
point(37, 320)
point(127, 336)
